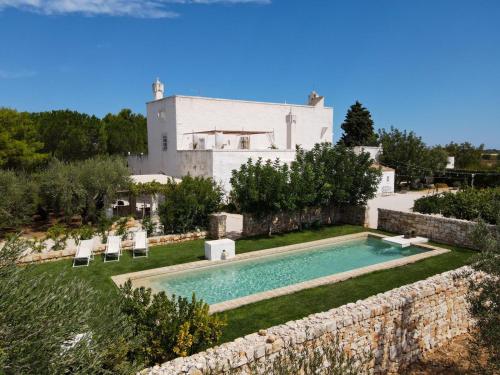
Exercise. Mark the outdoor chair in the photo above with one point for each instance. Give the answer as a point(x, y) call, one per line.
point(84, 252)
point(113, 249)
point(140, 244)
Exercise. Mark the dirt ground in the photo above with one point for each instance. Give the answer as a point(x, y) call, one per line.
point(451, 359)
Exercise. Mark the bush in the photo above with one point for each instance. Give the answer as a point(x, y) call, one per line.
point(168, 327)
point(188, 203)
point(428, 205)
point(18, 200)
point(52, 325)
point(484, 300)
point(470, 204)
point(325, 175)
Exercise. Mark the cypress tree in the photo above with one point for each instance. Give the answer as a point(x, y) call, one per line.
point(358, 127)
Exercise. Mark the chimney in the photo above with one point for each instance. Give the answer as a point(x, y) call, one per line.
point(315, 100)
point(158, 90)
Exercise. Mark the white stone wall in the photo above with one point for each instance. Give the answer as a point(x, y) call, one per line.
point(161, 119)
point(178, 116)
point(387, 182)
point(201, 114)
point(397, 327)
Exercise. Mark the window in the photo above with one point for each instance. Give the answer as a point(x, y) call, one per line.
point(164, 142)
point(244, 143)
point(388, 178)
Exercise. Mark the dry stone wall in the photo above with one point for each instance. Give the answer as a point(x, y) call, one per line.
point(440, 229)
point(397, 327)
point(288, 222)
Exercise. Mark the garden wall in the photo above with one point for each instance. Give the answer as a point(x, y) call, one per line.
point(397, 327)
point(436, 228)
point(99, 248)
point(288, 222)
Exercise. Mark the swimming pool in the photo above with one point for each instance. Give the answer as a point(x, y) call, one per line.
point(241, 280)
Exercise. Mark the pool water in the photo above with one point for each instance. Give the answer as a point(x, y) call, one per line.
point(239, 279)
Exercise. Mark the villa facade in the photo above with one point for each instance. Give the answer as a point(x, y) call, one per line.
point(210, 137)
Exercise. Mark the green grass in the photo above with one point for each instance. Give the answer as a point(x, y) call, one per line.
point(270, 312)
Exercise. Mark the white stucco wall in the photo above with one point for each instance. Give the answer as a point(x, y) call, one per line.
point(201, 114)
point(374, 151)
point(219, 164)
point(386, 184)
point(161, 118)
point(223, 162)
point(178, 117)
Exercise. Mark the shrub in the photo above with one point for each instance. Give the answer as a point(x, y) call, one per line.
point(59, 234)
point(42, 317)
point(168, 327)
point(484, 299)
point(18, 200)
point(188, 203)
point(325, 175)
point(470, 204)
point(428, 205)
point(148, 225)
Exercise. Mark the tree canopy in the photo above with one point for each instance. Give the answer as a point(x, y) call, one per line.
point(358, 127)
point(467, 156)
point(20, 145)
point(29, 140)
point(325, 175)
point(409, 155)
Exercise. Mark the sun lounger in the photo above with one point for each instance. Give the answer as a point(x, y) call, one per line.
point(140, 244)
point(84, 252)
point(113, 249)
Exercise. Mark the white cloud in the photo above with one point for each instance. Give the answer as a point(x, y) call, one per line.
point(7, 74)
point(131, 8)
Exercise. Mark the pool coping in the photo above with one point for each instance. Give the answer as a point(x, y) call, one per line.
point(138, 278)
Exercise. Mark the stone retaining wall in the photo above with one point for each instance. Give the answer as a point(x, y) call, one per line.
point(397, 327)
point(440, 229)
point(288, 222)
point(98, 249)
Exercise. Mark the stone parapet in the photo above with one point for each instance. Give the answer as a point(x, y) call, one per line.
point(284, 222)
point(397, 327)
point(437, 228)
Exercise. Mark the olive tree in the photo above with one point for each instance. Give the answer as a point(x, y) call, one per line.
point(52, 325)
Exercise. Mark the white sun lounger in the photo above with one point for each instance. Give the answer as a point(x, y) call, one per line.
point(113, 249)
point(140, 244)
point(84, 252)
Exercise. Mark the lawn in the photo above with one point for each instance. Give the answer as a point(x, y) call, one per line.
point(270, 312)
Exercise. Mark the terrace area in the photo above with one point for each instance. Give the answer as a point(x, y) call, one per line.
point(269, 312)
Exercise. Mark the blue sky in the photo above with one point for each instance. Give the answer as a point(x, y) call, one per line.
point(432, 66)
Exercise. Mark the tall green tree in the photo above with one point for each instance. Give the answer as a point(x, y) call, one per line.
point(409, 155)
point(358, 127)
point(20, 146)
point(467, 156)
point(324, 176)
point(82, 188)
point(341, 176)
point(70, 135)
point(126, 132)
point(262, 188)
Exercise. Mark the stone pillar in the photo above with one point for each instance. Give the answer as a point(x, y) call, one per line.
point(217, 226)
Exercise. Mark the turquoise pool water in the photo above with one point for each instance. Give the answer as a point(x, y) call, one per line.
point(234, 280)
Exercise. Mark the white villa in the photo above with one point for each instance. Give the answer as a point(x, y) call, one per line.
point(210, 137)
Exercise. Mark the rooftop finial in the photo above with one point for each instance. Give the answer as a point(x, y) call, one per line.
point(158, 89)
